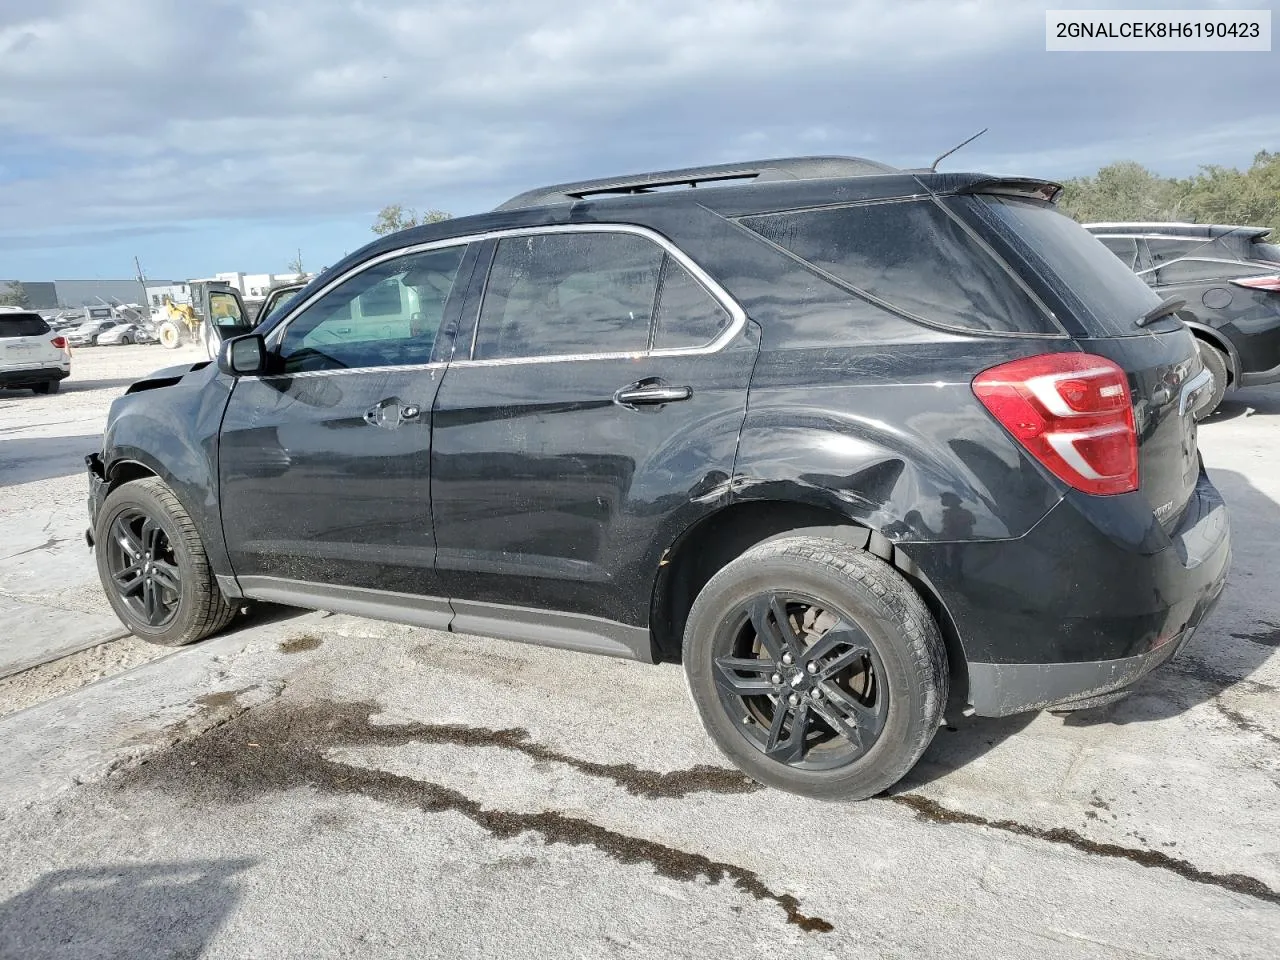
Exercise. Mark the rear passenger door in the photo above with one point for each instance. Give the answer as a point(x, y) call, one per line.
point(590, 412)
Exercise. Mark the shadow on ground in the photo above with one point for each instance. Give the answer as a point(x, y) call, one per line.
point(1257, 401)
point(260, 613)
point(140, 911)
point(28, 459)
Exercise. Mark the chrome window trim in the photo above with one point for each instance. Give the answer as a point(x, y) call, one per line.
point(1192, 258)
point(300, 374)
point(737, 316)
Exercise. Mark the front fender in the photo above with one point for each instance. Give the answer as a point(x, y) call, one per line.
point(172, 431)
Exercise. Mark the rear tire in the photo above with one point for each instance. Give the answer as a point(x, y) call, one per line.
point(153, 566)
point(837, 698)
point(49, 386)
point(1215, 361)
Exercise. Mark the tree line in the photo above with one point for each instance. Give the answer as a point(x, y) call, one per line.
point(1129, 191)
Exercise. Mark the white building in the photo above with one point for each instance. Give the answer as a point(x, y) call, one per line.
point(254, 286)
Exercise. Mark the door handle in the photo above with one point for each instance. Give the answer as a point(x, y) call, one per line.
point(651, 394)
point(389, 413)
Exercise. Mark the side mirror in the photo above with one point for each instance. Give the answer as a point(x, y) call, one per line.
point(243, 356)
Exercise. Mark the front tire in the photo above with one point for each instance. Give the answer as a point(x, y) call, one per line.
point(816, 668)
point(1215, 361)
point(49, 386)
point(153, 566)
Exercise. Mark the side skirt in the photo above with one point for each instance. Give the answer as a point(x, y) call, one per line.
point(549, 628)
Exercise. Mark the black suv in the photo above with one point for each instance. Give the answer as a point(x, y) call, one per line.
point(849, 443)
point(1229, 281)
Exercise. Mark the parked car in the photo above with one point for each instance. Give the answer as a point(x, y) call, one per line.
point(31, 354)
point(1229, 278)
point(849, 443)
point(87, 334)
point(125, 333)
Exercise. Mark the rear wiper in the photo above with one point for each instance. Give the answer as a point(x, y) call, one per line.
point(1163, 309)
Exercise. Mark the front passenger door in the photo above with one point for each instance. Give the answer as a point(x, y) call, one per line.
point(325, 462)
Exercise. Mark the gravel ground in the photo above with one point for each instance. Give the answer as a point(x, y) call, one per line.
point(324, 786)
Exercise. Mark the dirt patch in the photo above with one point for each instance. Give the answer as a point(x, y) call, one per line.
point(49, 680)
point(300, 644)
point(281, 747)
point(935, 812)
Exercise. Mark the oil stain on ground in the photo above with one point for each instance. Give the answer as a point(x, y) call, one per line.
point(281, 747)
point(931, 810)
point(300, 644)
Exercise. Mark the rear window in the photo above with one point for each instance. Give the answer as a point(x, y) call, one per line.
point(1067, 261)
point(913, 257)
point(22, 325)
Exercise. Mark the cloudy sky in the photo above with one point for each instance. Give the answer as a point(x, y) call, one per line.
point(213, 135)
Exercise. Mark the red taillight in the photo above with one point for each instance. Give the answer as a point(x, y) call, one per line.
point(1271, 283)
point(59, 342)
point(1073, 413)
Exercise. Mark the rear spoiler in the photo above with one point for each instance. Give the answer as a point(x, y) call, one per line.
point(1022, 187)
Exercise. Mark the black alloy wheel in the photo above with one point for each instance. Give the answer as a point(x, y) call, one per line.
point(816, 667)
point(144, 569)
point(804, 678)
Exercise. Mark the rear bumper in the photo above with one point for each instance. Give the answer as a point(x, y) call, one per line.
point(33, 376)
point(1090, 600)
point(1001, 689)
point(1259, 378)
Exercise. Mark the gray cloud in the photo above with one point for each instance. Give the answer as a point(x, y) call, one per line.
point(145, 111)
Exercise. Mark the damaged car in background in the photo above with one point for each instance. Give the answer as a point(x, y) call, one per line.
point(855, 446)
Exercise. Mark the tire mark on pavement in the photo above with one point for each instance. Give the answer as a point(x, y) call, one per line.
point(934, 812)
point(1244, 723)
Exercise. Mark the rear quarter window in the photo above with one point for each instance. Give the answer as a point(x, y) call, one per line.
point(913, 257)
point(22, 325)
point(1065, 261)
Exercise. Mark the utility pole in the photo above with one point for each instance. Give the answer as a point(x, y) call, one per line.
point(142, 281)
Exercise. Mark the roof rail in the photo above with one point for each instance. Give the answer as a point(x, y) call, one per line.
point(724, 174)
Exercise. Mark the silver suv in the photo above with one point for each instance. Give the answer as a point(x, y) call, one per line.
point(31, 354)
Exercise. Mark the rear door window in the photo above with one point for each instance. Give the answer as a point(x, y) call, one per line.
point(1167, 249)
point(1194, 269)
point(1126, 248)
point(912, 257)
point(558, 294)
point(22, 325)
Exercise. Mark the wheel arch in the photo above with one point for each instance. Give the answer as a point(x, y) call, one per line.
point(1215, 339)
point(711, 542)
